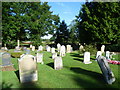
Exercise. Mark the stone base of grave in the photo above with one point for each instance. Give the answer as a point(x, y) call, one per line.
point(7, 68)
point(87, 62)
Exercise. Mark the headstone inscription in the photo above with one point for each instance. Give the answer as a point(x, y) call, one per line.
point(39, 58)
point(107, 73)
point(54, 55)
point(58, 64)
point(87, 58)
point(107, 55)
point(27, 69)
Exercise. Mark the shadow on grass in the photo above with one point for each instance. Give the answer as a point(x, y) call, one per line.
point(6, 86)
point(17, 74)
point(78, 59)
point(97, 80)
point(51, 65)
point(76, 55)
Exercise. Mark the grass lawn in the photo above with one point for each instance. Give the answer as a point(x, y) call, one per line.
point(75, 74)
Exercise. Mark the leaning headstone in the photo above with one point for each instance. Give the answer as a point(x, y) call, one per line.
point(98, 53)
point(39, 58)
point(52, 50)
point(48, 48)
point(58, 47)
point(58, 64)
point(68, 49)
point(54, 55)
point(33, 48)
point(40, 48)
point(87, 58)
point(102, 48)
point(104, 66)
point(6, 59)
point(27, 69)
point(107, 54)
point(62, 51)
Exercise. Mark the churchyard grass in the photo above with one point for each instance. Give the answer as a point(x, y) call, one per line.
point(75, 74)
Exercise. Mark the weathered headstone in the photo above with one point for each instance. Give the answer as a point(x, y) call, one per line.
point(27, 69)
point(58, 47)
point(98, 53)
point(107, 54)
point(62, 51)
point(40, 48)
point(52, 50)
point(33, 48)
point(48, 48)
point(58, 64)
point(102, 48)
point(39, 58)
point(68, 49)
point(87, 58)
point(104, 66)
point(54, 55)
point(6, 59)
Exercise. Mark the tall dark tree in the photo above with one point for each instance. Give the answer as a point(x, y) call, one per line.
point(98, 22)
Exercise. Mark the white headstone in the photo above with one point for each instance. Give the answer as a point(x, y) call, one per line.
point(52, 50)
point(54, 55)
point(102, 48)
point(18, 43)
point(39, 58)
point(27, 69)
point(33, 48)
point(62, 51)
point(107, 54)
point(98, 53)
point(40, 48)
point(81, 47)
point(68, 49)
point(87, 58)
point(58, 47)
point(48, 48)
point(58, 64)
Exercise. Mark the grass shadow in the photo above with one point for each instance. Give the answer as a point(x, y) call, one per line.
point(6, 86)
point(76, 55)
point(17, 74)
point(51, 65)
point(78, 59)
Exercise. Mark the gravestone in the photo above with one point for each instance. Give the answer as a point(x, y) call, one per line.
point(58, 64)
point(6, 59)
point(62, 51)
point(98, 53)
point(107, 55)
point(40, 48)
point(87, 58)
point(106, 71)
point(39, 57)
point(102, 48)
point(52, 50)
point(81, 47)
point(68, 49)
point(58, 47)
point(48, 48)
point(33, 48)
point(54, 55)
point(27, 69)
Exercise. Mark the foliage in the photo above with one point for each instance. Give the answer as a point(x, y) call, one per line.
point(98, 22)
point(27, 21)
point(113, 48)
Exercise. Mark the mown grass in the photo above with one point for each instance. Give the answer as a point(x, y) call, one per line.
point(75, 74)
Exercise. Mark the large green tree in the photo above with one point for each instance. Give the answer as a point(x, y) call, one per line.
point(98, 22)
point(36, 17)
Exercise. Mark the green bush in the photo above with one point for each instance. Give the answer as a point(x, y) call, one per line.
point(113, 48)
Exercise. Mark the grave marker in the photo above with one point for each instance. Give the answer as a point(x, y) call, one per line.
point(52, 50)
point(39, 58)
point(54, 55)
point(102, 48)
point(107, 55)
point(68, 49)
point(62, 51)
point(58, 47)
point(33, 48)
point(87, 58)
point(40, 48)
point(58, 64)
point(98, 53)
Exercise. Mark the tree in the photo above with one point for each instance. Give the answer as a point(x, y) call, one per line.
point(21, 16)
point(98, 22)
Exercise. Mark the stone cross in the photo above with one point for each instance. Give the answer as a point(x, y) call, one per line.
point(27, 69)
point(106, 71)
point(58, 64)
point(40, 58)
point(87, 58)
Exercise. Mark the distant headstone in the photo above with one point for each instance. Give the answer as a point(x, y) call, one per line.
point(27, 69)
point(81, 47)
point(6, 59)
point(18, 43)
point(87, 58)
point(62, 51)
point(48, 48)
point(40, 48)
point(98, 53)
point(52, 50)
point(103, 48)
point(58, 64)
point(104, 66)
point(107, 54)
point(39, 58)
point(54, 55)
point(68, 49)
point(33, 48)
point(58, 47)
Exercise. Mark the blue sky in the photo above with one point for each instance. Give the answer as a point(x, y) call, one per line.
point(66, 10)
